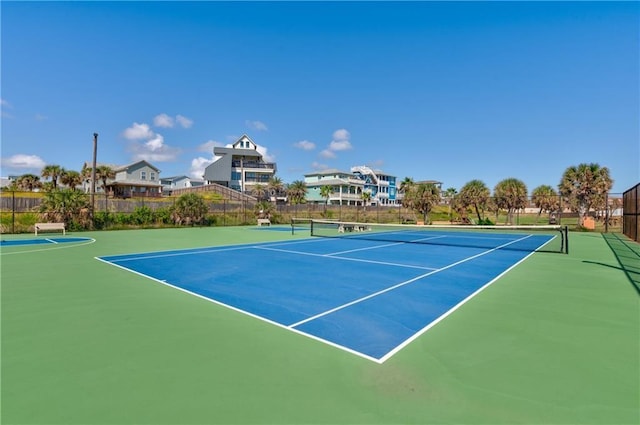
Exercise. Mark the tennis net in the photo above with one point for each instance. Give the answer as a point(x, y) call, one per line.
point(521, 238)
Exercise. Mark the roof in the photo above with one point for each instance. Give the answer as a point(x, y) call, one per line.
point(117, 168)
point(328, 171)
point(174, 178)
point(334, 182)
point(125, 167)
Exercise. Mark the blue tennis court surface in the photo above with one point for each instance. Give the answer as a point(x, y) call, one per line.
point(41, 241)
point(370, 298)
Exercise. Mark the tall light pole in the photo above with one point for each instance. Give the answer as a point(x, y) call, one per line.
point(93, 175)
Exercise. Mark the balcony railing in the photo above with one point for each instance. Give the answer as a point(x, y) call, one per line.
point(253, 164)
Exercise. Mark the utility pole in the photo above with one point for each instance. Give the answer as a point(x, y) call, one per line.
point(93, 176)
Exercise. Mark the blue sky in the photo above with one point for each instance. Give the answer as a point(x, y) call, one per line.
point(450, 91)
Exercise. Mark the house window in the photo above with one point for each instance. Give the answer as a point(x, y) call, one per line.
point(152, 176)
point(143, 175)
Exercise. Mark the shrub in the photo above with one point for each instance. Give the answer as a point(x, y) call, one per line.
point(142, 216)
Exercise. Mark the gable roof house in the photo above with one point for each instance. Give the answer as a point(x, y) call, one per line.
point(346, 188)
point(240, 167)
point(169, 184)
point(381, 185)
point(139, 179)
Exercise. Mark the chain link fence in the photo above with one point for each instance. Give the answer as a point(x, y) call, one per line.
point(19, 211)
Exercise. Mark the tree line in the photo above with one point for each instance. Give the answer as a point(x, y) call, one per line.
point(582, 188)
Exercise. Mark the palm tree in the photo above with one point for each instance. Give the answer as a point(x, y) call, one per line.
point(275, 186)
point(510, 194)
point(405, 184)
point(71, 179)
point(422, 198)
point(53, 171)
point(366, 198)
point(297, 192)
point(259, 191)
point(189, 208)
point(66, 205)
point(474, 194)
point(28, 182)
point(583, 186)
point(325, 192)
point(264, 209)
point(448, 196)
point(545, 198)
point(105, 173)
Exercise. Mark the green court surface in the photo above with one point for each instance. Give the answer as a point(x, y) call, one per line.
point(554, 341)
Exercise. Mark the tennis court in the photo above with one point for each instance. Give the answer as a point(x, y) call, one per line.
point(368, 293)
point(239, 325)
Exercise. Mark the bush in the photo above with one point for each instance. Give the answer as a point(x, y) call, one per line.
point(163, 215)
point(142, 216)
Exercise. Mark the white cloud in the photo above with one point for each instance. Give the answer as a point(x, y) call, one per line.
point(155, 144)
point(319, 166)
point(328, 154)
point(23, 161)
point(163, 120)
point(209, 145)
point(138, 132)
point(198, 165)
point(184, 121)
point(265, 155)
point(153, 151)
point(148, 145)
point(256, 125)
point(305, 145)
point(341, 134)
point(339, 145)
point(5, 105)
point(340, 140)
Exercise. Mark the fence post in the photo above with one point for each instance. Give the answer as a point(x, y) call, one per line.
point(560, 212)
point(13, 211)
point(606, 212)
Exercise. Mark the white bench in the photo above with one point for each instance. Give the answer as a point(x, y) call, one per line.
point(264, 222)
point(49, 226)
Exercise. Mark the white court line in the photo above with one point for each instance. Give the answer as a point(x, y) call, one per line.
point(332, 256)
point(189, 251)
point(391, 288)
point(176, 254)
point(236, 309)
point(447, 313)
point(65, 246)
point(51, 240)
point(383, 246)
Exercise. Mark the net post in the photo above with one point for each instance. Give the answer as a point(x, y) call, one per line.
point(565, 237)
